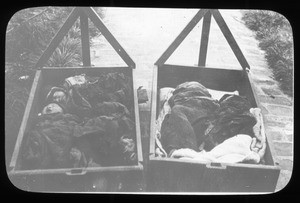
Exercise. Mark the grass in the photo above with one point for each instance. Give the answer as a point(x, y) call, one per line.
point(275, 37)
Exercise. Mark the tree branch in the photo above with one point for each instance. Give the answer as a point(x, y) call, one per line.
point(40, 13)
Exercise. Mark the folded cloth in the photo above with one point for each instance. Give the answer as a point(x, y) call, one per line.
point(215, 94)
point(77, 80)
point(259, 141)
point(164, 96)
point(233, 150)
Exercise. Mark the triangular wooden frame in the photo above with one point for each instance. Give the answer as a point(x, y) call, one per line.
point(84, 13)
point(206, 15)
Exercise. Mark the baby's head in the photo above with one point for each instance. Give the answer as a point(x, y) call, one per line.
point(51, 109)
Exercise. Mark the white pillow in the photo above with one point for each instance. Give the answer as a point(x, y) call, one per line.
point(164, 93)
point(216, 94)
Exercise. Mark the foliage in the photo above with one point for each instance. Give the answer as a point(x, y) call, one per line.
point(28, 34)
point(68, 54)
point(30, 31)
point(276, 38)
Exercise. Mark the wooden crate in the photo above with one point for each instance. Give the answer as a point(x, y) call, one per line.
point(174, 175)
point(43, 179)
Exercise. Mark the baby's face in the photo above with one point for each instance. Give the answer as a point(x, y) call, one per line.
point(52, 108)
point(59, 96)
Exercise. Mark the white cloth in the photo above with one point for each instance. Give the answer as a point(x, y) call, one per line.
point(259, 142)
point(76, 80)
point(233, 150)
point(240, 148)
point(216, 94)
point(164, 96)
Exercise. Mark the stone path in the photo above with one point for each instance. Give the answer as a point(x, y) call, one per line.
point(146, 33)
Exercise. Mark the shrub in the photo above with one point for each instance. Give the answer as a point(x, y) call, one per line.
point(275, 37)
point(28, 34)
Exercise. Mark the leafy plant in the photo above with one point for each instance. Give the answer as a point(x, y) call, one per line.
point(28, 34)
point(30, 31)
point(68, 53)
point(276, 38)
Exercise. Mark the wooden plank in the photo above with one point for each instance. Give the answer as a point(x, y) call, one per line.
point(85, 67)
point(69, 171)
point(169, 176)
point(94, 17)
point(224, 165)
point(85, 41)
point(164, 57)
point(200, 66)
point(137, 122)
point(211, 78)
point(230, 39)
point(58, 38)
point(268, 138)
point(153, 111)
point(204, 39)
point(25, 119)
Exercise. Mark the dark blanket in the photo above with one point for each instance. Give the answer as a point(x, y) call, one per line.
point(103, 140)
point(96, 127)
point(48, 144)
point(82, 99)
point(186, 90)
point(197, 121)
point(111, 87)
point(177, 130)
point(231, 118)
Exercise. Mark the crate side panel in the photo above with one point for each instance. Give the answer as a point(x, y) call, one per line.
point(52, 76)
point(248, 179)
point(168, 176)
point(249, 90)
point(108, 181)
point(28, 120)
point(217, 79)
point(137, 121)
point(58, 75)
point(234, 179)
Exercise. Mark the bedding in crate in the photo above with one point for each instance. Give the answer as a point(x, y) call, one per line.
point(87, 121)
point(197, 123)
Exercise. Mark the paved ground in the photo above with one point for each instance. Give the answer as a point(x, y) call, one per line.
point(146, 33)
